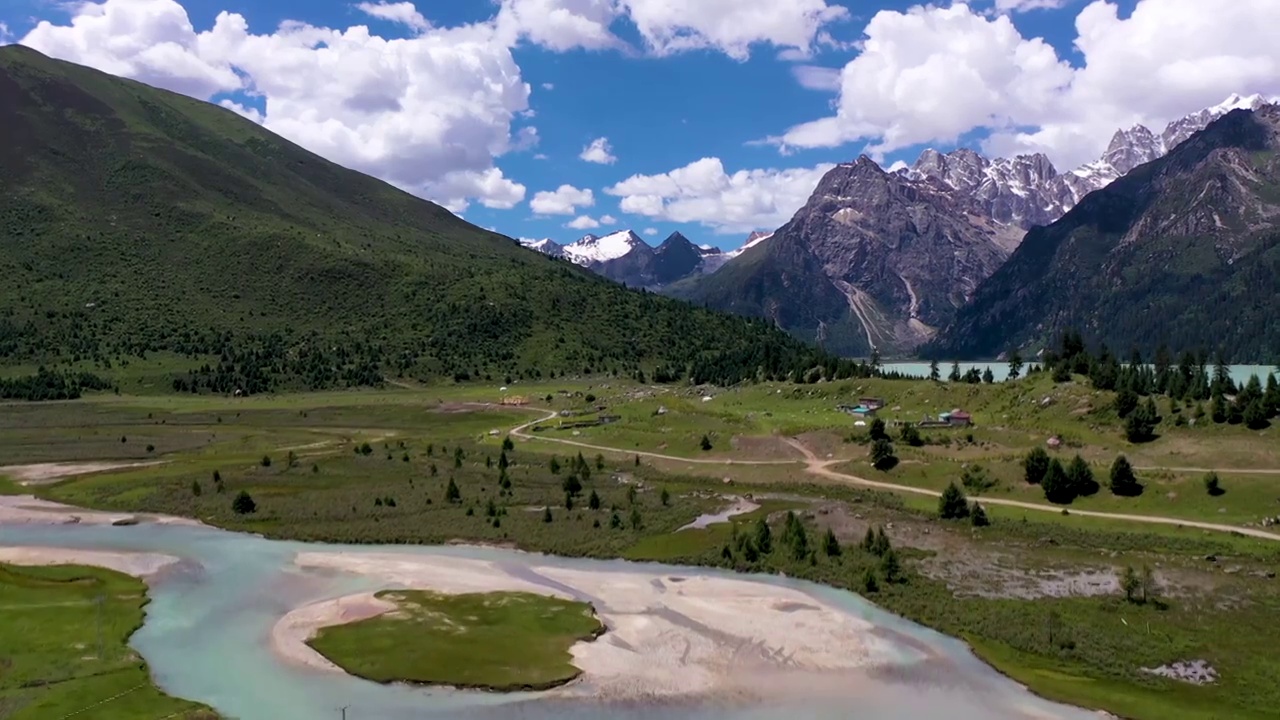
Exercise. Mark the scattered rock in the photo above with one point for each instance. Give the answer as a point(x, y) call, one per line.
point(1196, 672)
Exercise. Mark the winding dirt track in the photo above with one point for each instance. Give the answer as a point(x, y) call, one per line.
point(822, 468)
point(520, 433)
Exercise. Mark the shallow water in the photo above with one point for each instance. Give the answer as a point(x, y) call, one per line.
point(1000, 370)
point(207, 638)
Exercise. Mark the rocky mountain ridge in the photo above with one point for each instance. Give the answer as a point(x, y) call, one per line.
point(906, 248)
point(1182, 251)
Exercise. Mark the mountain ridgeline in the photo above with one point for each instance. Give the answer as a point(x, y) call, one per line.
point(1183, 252)
point(136, 221)
point(886, 259)
point(624, 258)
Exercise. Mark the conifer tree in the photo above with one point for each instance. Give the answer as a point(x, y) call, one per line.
point(953, 505)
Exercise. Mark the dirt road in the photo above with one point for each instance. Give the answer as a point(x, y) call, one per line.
point(822, 468)
point(520, 433)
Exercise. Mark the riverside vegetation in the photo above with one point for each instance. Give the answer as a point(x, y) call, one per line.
point(63, 647)
point(1044, 596)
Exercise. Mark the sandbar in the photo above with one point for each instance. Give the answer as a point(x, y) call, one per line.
point(137, 564)
point(46, 473)
point(667, 636)
point(30, 510)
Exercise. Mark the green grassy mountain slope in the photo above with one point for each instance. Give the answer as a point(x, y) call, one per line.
point(1183, 251)
point(135, 220)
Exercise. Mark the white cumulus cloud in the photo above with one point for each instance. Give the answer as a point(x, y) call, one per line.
point(564, 200)
point(583, 222)
point(651, 231)
point(402, 12)
point(667, 27)
point(932, 74)
point(559, 25)
point(147, 40)
point(428, 113)
point(598, 151)
point(1025, 5)
point(702, 192)
point(814, 77)
point(608, 220)
point(731, 26)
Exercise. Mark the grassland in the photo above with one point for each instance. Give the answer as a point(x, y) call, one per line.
point(491, 641)
point(1000, 586)
point(63, 648)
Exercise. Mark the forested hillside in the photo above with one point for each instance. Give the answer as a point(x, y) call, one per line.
point(134, 221)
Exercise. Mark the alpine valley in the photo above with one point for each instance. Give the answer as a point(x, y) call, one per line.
point(885, 259)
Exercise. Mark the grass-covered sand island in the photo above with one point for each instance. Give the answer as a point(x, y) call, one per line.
point(64, 649)
point(502, 641)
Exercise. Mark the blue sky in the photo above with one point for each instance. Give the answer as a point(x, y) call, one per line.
point(960, 75)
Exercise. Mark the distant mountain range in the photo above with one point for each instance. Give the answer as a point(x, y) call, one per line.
point(880, 259)
point(623, 257)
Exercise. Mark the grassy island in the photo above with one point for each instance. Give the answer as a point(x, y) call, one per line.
point(64, 648)
point(504, 642)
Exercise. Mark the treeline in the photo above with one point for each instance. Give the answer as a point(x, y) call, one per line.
point(253, 363)
point(49, 385)
point(1189, 379)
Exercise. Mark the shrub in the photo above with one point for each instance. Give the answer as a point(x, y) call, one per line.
point(978, 516)
point(953, 505)
point(244, 504)
point(976, 479)
point(1057, 488)
point(1035, 465)
point(882, 457)
point(1123, 482)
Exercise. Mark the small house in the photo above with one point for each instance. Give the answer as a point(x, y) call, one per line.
point(858, 411)
point(957, 418)
point(874, 403)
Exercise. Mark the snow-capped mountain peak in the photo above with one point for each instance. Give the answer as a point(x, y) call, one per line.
point(753, 240)
point(546, 246)
point(593, 249)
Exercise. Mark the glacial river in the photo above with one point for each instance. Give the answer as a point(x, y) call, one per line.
point(208, 627)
